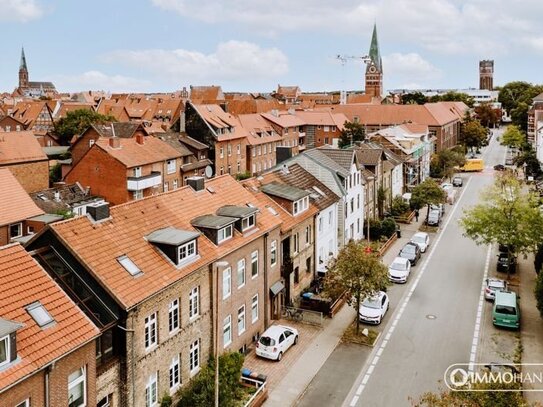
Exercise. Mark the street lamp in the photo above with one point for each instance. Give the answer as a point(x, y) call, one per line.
point(524, 169)
point(218, 265)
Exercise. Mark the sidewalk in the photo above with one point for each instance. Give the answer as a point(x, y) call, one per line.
point(531, 327)
point(300, 375)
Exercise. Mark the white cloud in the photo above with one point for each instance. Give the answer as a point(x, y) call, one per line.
point(19, 10)
point(232, 60)
point(410, 67)
point(99, 80)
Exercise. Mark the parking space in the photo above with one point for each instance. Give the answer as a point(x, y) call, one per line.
point(275, 371)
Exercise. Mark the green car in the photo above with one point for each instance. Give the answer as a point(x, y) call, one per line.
point(506, 310)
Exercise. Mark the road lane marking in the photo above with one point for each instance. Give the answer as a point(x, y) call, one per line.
point(477, 329)
point(379, 350)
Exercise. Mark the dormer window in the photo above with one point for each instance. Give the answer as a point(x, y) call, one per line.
point(187, 251)
point(245, 216)
point(225, 234)
point(301, 205)
point(248, 222)
point(4, 350)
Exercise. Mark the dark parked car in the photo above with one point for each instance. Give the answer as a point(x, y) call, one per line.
point(457, 181)
point(411, 252)
point(499, 167)
point(505, 262)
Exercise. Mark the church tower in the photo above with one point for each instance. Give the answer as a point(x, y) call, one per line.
point(23, 71)
point(486, 74)
point(374, 68)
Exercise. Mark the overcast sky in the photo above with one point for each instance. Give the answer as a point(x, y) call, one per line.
point(253, 45)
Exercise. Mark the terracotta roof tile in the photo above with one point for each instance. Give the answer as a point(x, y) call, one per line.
point(99, 245)
point(133, 154)
point(16, 205)
point(24, 282)
point(19, 146)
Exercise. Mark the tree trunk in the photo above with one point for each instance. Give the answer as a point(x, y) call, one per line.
point(357, 312)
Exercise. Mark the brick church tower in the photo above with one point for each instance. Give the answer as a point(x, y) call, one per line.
point(23, 71)
point(486, 74)
point(374, 68)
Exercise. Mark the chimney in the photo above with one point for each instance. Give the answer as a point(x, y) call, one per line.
point(57, 196)
point(115, 142)
point(197, 183)
point(98, 211)
point(284, 169)
point(283, 153)
point(140, 138)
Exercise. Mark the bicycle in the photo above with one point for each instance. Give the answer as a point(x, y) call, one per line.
point(293, 314)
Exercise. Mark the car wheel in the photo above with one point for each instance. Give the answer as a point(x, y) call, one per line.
point(280, 356)
point(295, 339)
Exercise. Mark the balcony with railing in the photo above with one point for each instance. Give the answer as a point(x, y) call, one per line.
point(146, 181)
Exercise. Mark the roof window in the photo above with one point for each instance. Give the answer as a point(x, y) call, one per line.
point(40, 315)
point(129, 265)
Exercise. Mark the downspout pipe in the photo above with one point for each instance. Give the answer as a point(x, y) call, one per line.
point(132, 363)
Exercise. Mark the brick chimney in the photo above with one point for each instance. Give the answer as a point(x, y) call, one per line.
point(140, 138)
point(115, 142)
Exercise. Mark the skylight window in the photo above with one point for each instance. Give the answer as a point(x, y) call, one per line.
point(272, 210)
point(40, 315)
point(129, 265)
point(319, 191)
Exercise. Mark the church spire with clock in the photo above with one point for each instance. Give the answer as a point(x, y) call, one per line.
point(374, 68)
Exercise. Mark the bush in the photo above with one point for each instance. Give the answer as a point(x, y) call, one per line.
point(398, 206)
point(375, 229)
point(243, 175)
point(538, 291)
point(388, 227)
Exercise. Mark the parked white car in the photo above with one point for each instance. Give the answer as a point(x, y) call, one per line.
point(422, 239)
point(275, 341)
point(373, 309)
point(399, 270)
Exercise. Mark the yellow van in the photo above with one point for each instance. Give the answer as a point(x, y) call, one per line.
point(473, 164)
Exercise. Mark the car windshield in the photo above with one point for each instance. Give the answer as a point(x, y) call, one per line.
point(371, 303)
point(408, 248)
point(506, 309)
point(419, 239)
point(267, 341)
point(399, 266)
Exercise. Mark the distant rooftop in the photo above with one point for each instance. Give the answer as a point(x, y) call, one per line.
point(284, 191)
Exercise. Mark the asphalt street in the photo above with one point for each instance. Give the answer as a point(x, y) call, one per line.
point(431, 323)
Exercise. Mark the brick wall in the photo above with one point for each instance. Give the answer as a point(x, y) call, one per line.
point(299, 259)
point(105, 175)
point(4, 235)
point(108, 383)
point(83, 145)
point(169, 345)
point(34, 386)
point(33, 176)
point(232, 159)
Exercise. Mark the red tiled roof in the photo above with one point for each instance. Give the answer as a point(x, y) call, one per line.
point(219, 119)
point(16, 205)
point(133, 154)
point(99, 245)
point(24, 282)
point(284, 119)
point(20, 146)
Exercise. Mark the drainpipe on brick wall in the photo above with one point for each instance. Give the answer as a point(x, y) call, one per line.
point(47, 370)
point(132, 362)
point(266, 270)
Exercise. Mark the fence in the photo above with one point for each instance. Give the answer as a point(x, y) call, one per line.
point(260, 395)
point(302, 315)
point(387, 244)
point(405, 218)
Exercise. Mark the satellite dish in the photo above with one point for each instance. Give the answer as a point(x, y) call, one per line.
point(208, 171)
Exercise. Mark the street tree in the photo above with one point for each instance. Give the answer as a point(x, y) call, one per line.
point(414, 98)
point(538, 292)
point(516, 97)
point(529, 161)
point(77, 121)
point(487, 115)
point(473, 134)
point(519, 116)
point(357, 272)
point(506, 215)
point(453, 96)
point(427, 193)
point(352, 132)
point(512, 137)
point(444, 162)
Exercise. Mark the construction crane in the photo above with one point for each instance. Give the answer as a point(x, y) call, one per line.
point(344, 59)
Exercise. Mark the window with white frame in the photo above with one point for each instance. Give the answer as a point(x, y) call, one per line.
point(175, 376)
point(173, 316)
point(307, 235)
point(171, 166)
point(229, 150)
point(241, 273)
point(15, 230)
point(137, 194)
point(248, 222)
point(166, 186)
point(254, 308)
point(77, 388)
point(273, 252)
point(26, 403)
point(241, 319)
point(194, 302)
point(187, 251)
point(254, 264)
point(296, 243)
point(150, 331)
point(259, 150)
point(238, 148)
point(136, 171)
point(4, 350)
point(194, 357)
point(326, 128)
point(224, 234)
point(320, 224)
point(174, 184)
point(227, 331)
point(301, 205)
point(221, 152)
point(226, 282)
point(151, 391)
point(265, 149)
